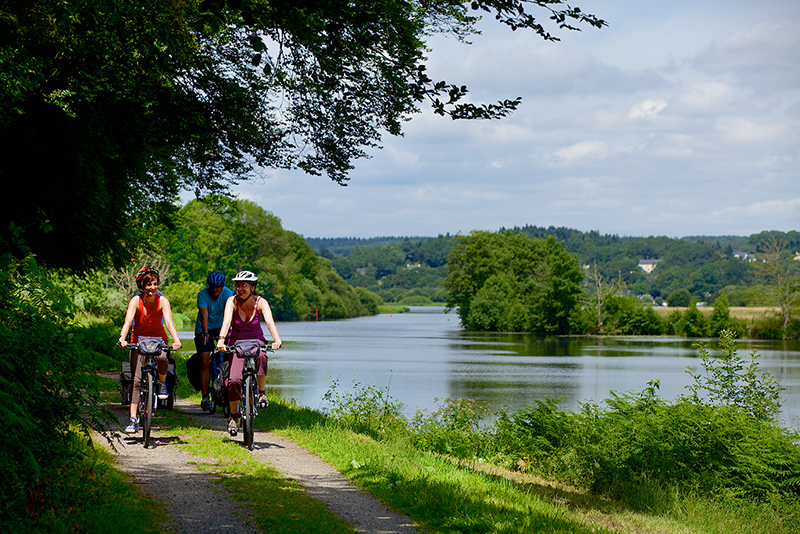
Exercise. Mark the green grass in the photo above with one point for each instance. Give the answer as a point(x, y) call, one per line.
point(469, 495)
point(472, 496)
point(277, 504)
point(89, 494)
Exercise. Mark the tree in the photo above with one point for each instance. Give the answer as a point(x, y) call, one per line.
point(780, 273)
point(226, 235)
point(112, 108)
point(680, 298)
point(507, 281)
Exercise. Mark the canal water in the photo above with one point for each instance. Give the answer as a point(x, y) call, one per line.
point(424, 355)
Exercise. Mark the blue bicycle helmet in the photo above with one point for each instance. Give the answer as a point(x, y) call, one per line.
point(215, 280)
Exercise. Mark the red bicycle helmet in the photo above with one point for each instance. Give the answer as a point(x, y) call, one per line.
point(142, 273)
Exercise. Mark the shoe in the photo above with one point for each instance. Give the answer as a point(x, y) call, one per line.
point(162, 391)
point(205, 404)
point(233, 426)
point(262, 401)
point(132, 426)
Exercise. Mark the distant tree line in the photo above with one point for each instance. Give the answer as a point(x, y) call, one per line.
point(617, 294)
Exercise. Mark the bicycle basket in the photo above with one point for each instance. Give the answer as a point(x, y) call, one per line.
point(248, 348)
point(150, 345)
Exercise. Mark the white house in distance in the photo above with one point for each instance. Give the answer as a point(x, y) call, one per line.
point(648, 265)
point(744, 256)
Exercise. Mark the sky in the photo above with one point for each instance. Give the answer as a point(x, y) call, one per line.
point(679, 118)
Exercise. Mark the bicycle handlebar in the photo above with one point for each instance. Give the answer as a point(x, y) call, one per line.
point(166, 347)
point(265, 346)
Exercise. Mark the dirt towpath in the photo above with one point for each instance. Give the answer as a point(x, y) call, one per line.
point(195, 504)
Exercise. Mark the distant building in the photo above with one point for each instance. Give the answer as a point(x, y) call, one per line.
point(361, 270)
point(744, 256)
point(648, 265)
point(410, 266)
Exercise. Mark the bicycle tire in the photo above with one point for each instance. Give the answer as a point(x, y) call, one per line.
point(247, 416)
point(148, 408)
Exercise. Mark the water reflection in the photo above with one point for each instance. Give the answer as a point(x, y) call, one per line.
point(423, 355)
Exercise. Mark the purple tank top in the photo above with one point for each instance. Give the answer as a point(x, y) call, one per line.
point(241, 329)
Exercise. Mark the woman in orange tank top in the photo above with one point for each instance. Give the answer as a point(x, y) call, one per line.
point(147, 310)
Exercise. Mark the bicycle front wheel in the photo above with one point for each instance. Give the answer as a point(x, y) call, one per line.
point(149, 406)
point(247, 416)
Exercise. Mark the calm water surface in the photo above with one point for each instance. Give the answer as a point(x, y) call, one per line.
point(423, 355)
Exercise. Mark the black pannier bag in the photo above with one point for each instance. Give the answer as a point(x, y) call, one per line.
point(125, 382)
point(193, 370)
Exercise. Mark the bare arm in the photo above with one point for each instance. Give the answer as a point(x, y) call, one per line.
point(126, 326)
point(266, 312)
point(166, 310)
point(203, 313)
point(226, 323)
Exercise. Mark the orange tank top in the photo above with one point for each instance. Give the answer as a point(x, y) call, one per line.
point(149, 324)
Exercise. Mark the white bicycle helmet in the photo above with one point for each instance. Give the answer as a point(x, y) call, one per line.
point(246, 276)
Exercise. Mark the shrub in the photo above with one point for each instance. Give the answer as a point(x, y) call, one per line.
point(366, 409)
point(680, 298)
point(48, 388)
point(453, 428)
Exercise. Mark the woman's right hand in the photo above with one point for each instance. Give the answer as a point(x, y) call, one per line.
point(221, 345)
point(122, 343)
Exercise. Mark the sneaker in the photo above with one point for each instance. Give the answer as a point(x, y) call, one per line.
point(132, 425)
point(233, 425)
point(162, 391)
point(205, 404)
point(262, 401)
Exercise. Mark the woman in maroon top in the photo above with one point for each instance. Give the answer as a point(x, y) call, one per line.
point(243, 314)
point(147, 310)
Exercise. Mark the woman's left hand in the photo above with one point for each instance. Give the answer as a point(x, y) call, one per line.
point(275, 345)
point(177, 345)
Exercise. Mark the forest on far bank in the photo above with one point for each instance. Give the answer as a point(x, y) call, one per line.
point(410, 269)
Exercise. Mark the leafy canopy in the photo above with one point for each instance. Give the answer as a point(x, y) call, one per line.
point(112, 108)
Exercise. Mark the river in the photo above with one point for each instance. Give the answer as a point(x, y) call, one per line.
point(423, 355)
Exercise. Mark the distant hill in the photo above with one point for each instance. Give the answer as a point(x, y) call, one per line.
point(342, 246)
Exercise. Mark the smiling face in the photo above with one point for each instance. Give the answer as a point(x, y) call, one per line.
point(150, 285)
point(244, 289)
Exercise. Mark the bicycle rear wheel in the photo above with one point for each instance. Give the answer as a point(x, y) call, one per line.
point(247, 415)
point(149, 406)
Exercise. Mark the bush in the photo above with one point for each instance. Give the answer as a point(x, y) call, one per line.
point(721, 438)
point(369, 410)
point(680, 298)
point(48, 387)
point(453, 428)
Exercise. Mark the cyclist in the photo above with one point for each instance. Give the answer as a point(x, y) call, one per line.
point(151, 312)
point(242, 313)
point(210, 310)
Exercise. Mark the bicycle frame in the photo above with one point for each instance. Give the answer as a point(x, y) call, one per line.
point(148, 398)
point(249, 409)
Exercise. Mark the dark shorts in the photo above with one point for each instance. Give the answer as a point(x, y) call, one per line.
point(213, 334)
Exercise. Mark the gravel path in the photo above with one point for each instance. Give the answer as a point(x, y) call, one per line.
point(195, 504)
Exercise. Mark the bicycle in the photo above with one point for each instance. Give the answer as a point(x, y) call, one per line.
point(148, 398)
point(248, 349)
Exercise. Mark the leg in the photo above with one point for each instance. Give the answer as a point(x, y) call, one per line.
point(162, 366)
point(235, 384)
point(204, 374)
point(136, 386)
point(261, 379)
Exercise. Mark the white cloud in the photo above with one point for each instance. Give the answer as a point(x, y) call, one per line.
point(584, 150)
point(745, 131)
point(768, 207)
point(648, 109)
point(705, 98)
